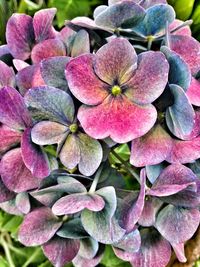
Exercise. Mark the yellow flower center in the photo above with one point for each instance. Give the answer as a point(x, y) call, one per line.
point(73, 128)
point(116, 90)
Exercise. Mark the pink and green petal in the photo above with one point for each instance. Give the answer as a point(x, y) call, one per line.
point(53, 71)
point(8, 138)
point(77, 202)
point(5, 193)
point(179, 72)
point(149, 81)
point(46, 49)
point(42, 24)
point(128, 120)
point(150, 210)
point(193, 92)
point(20, 36)
point(184, 151)
point(177, 224)
point(132, 206)
point(81, 44)
point(116, 61)
point(155, 251)
point(126, 14)
point(23, 202)
point(13, 111)
point(7, 75)
point(61, 251)
point(82, 81)
point(38, 227)
point(180, 116)
point(153, 171)
point(10, 207)
point(151, 148)
point(173, 179)
point(88, 248)
point(34, 157)
point(48, 133)
point(102, 225)
point(29, 77)
point(49, 103)
point(70, 153)
point(189, 49)
point(15, 174)
point(91, 154)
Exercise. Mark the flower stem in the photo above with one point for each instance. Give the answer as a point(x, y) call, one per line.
point(6, 250)
point(96, 180)
point(127, 166)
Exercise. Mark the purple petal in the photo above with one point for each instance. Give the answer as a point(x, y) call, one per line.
point(34, 157)
point(130, 242)
point(10, 207)
point(77, 202)
point(149, 81)
point(14, 173)
point(53, 71)
point(20, 64)
point(91, 154)
point(193, 92)
point(23, 203)
point(8, 138)
point(42, 24)
point(189, 49)
point(49, 103)
point(7, 75)
point(184, 151)
point(81, 44)
point(61, 251)
point(46, 49)
point(151, 148)
point(128, 120)
point(132, 207)
point(173, 179)
point(151, 207)
point(13, 111)
point(82, 81)
point(5, 193)
point(180, 116)
point(177, 224)
point(29, 77)
point(20, 35)
point(155, 250)
point(115, 61)
point(179, 251)
point(38, 227)
point(48, 133)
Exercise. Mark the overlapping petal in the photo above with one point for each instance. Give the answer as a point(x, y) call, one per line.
point(7, 75)
point(193, 92)
point(8, 138)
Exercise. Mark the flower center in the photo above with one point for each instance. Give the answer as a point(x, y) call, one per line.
point(73, 128)
point(116, 90)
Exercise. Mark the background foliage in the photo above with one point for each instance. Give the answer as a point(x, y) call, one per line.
point(12, 254)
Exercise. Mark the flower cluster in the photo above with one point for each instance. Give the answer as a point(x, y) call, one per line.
point(100, 133)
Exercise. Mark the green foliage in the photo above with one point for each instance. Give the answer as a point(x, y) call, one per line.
point(68, 9)
point(183, 8)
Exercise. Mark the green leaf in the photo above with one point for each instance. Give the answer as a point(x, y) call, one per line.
point(3, 262)
point(110, 260)
point(196, 21)
point(183, 8)
point(12, 225)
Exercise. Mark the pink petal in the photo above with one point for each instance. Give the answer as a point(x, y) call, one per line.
point(7, 75)
point(29, 77)
point(189, 49)
point(42, 24)
point(13, 111)
point(179, 251)
point(8, 138)
point(20, 35)
point(5, 193)
point(184, 151)
point(20, 64)
point(183, 31)
point(193, 92)
point(46, 49)
point(127, 119)
point(34, 157)
point(149, 80)
point(83, 82)
point(14, 173)
point(151, 148)
point(115, 61)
